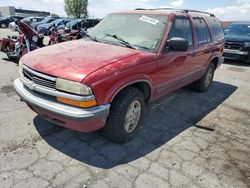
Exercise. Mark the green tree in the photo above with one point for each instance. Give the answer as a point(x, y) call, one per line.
point(76, 8)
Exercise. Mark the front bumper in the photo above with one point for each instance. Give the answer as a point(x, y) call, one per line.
point(236, 55)
point(84, 120)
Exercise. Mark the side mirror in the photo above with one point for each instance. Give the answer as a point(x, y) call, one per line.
point(177, 44)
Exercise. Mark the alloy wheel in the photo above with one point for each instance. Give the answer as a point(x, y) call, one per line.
point(209, 77)
point(132, 116)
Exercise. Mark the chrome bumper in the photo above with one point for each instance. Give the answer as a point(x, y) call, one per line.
point(237, 52)
point(58, 108)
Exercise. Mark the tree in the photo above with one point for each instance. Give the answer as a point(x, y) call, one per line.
point(76, 8)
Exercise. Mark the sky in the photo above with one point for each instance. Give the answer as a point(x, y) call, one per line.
point(224, 9)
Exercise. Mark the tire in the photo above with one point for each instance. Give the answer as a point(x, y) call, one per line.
point(126, 104)
point(203, 84)
point(12, 58)
point(3, 25)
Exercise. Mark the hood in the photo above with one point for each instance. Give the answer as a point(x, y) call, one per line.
point(76, 59)
point(237, 38)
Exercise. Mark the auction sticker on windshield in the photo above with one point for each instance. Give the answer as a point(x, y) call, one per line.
point(149, 20)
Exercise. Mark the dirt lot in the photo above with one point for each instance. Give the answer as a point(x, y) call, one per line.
point(188, 140)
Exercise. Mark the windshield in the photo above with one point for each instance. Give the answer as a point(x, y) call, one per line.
point(143, 32)
point(238, 29)
point(2, 18)
point(56, 21)
point(72, 23)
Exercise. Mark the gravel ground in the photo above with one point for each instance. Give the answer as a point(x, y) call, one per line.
point(188, 139)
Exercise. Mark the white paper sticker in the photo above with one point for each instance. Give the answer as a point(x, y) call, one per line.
point(249, 26)
point(149, 20)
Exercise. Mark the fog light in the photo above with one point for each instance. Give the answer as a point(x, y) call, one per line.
point(82, 104)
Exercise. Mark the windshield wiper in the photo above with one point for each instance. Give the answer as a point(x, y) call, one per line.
point(121, 40)
point(92, 38)
point(143, 47)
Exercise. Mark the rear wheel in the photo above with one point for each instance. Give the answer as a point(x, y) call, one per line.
point(127, 111)
point(203, 84)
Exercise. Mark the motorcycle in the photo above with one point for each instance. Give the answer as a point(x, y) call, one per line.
point(28, 39)
point(17, 46)
point(63, 35)
point(12, 46)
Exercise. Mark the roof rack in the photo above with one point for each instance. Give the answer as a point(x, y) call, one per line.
point(180, 10)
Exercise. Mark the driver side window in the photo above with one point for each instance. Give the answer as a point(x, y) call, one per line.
point(181, 27)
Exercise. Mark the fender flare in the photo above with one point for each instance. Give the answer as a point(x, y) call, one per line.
point(125, 83)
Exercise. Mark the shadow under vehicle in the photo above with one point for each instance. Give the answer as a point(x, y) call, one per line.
point(166, 119)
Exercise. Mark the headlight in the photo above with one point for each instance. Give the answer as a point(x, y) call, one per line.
point(247, 44)
point(35, 38)
point(73, 87)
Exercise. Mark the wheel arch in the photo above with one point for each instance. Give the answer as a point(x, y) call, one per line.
point(215, 61)
point(143, 85)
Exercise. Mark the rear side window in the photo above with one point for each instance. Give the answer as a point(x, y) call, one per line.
point(216, 27)
point(181, 28)
point(202, 31)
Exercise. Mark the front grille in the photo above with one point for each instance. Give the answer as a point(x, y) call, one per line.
point(232, 56)
point(39, 80)
point(234, 45)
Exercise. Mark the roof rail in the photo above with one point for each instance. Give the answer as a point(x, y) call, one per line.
point(180, 10)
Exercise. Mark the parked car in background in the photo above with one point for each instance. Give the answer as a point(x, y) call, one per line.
point(44, 21)
point(5, 21)
point(129, 59)
point(44, 28)
point(237, 45)
point(77, 24)
point(28, 20)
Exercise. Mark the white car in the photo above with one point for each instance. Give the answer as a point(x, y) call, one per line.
point(13, 26)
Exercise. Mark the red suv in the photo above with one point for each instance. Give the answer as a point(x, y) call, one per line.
point(105, 80)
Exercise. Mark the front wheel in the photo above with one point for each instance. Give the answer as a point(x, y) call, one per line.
point(203, 84)
point(126, 113)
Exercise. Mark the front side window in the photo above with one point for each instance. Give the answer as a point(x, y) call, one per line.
point(143, 32)
point(202, 31)
point(181, 28)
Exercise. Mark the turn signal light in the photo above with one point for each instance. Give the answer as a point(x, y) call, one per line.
point(82, 104)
